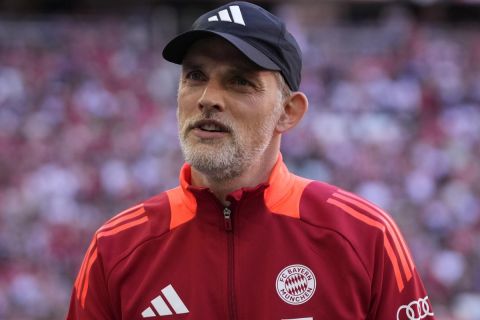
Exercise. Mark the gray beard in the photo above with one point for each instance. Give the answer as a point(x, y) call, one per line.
point(220, 166)
point(225, 161)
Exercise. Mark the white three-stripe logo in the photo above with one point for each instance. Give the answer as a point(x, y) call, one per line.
point(227, 15)
point(162, 308)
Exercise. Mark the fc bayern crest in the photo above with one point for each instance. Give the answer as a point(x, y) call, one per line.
point(296, 284)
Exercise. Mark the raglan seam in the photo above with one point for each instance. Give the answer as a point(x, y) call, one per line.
point(346, 239)
point(102, 267)
point(287, 194)
point(126, 255)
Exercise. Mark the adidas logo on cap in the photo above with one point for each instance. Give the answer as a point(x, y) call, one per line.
point(224, 15)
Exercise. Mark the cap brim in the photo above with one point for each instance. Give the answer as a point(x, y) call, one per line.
point(176, 49)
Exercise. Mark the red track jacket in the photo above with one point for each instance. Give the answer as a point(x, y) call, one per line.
point(289, 249)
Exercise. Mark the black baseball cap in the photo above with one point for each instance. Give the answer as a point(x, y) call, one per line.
point(261, 36)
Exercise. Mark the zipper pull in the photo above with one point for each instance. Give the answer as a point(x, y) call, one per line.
point(227, 214)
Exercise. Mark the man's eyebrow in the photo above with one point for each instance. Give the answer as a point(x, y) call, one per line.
point(245, 69)
point(189, 65)
point(246, 66)
point(237, 68)
point(250, 69)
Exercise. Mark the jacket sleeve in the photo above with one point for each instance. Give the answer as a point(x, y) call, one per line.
point(90, 298)
point(398, 292)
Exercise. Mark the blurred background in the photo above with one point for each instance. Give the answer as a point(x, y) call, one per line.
point(87, 129)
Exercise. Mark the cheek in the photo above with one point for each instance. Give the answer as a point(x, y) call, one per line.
point(187, 98)
point(182, 119)
point(184, 107)
point(181, 100)
point(261, 112)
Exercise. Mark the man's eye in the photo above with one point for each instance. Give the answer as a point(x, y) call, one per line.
point(239, 81)
point(195, 75)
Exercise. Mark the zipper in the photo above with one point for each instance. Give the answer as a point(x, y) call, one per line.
point(227, 214)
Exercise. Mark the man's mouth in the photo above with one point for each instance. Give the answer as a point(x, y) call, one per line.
point(210, 126)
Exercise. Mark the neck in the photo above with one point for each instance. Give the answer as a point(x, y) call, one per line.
point(256, 173)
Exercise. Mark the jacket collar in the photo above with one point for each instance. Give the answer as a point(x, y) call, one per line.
point(282, 193)
point(276, 188)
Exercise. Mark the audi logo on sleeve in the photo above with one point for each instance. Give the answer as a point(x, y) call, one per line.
point(415, 310)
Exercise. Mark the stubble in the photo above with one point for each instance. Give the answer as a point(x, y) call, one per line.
point(225, 159)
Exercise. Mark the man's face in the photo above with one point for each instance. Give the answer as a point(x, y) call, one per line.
point(227, 109)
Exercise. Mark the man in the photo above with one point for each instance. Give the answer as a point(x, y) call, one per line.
point(242, 237)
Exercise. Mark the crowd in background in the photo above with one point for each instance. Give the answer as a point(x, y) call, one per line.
point(87, 128)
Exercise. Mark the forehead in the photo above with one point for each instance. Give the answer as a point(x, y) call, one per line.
point(219, 50)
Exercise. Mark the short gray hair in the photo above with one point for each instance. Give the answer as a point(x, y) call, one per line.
point(283, 86)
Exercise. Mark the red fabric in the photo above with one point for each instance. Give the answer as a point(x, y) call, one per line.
point(233, 274)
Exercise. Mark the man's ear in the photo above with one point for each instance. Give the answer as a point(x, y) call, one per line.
point(294, 107)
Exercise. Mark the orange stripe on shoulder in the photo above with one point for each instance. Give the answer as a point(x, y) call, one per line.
point(122, 227)
point(116, 226)
point(123, 217)
point(354, 213)
point(376, 211)
point(285, 191)
point(120, 215)
point(374, 223)
point(81, 273)
point(400, 246)
point(86, 282)
point(81, 283)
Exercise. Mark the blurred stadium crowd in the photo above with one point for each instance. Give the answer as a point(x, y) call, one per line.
point(87, 128)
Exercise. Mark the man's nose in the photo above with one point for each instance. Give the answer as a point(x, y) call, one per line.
point(212, 97)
